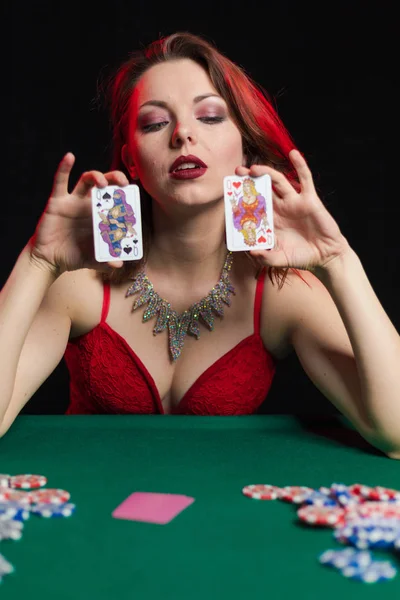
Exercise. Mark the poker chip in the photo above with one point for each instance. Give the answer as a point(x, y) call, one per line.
point(50, 496)
point(49, 510)
point(323, 516)
point(342, 495)
point(11, 530)
point(377, 570)
point(295, 494)
point(382, 494)
point(360, 491)
point(379, 533)
point(13, 510)
point(5, 567)
point(374, 509)
point(261, 491)
point(350, 557)
point(10, 495)
point(27, 482)
point(4, 480)
point(364, 518)
point(319, 499)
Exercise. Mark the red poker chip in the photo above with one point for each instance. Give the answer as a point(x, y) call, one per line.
point(50, 496)
point(383, 494)
point(360, 490)
point(261, 491)
point(373, 509)
point(28, 481)
point(295, 493)
point(10, 495)
point(323, 516)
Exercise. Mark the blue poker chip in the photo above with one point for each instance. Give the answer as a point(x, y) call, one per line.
point(350, 557)
point(342, 494)
point(49, 510)
point(318, 498)
point(13, 510)
point(376, 571)
point(374, 532)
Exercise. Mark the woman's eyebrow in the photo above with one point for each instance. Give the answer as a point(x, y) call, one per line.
point(196, 100)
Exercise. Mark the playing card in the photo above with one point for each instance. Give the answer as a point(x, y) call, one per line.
point(248, 213)
point(117, 224)
point(152, 507)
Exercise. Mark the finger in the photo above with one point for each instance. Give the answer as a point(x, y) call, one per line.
point(116, 178)
point(61, 178)
point(242, 171)
point(89, 180)
point(270, 258)
point(304, 173)
point(280, 184)
point(116, 264)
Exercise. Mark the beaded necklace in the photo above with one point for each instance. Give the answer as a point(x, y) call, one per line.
point(187, 322)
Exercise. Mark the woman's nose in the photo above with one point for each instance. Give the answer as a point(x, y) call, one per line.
point(183, 132)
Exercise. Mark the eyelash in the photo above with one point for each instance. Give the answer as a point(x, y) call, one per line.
point(207, 120)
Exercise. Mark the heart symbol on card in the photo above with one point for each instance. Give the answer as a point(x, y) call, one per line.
point(269, 231)
point(229, 193)
point(237, 184)
point(261, 240)
point(128, 250)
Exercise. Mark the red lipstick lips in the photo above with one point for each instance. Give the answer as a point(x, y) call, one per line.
point(195, 167)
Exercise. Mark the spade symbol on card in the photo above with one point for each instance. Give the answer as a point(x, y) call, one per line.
point(135, 241)
point(106, 196)
point(128, 250)
point(261, 240)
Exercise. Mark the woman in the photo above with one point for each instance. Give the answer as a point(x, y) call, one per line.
point(184, 116)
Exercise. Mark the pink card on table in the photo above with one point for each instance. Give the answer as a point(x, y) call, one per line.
point(152, 507)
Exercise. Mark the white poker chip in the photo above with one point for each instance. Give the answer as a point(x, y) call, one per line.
point(49, 510)
point(11, 530)
point(5, 567)
point(4, 480)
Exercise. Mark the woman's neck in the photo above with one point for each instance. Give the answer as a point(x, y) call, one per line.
point(191, 249)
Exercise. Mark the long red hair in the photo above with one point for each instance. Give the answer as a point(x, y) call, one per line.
point(265, 138)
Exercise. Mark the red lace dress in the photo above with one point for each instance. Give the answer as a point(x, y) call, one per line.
point(106, 376)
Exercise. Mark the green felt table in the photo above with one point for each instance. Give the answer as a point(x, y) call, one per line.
point(224, 545)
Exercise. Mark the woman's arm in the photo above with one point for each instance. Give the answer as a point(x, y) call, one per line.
point(348, 347)
point(34, 329)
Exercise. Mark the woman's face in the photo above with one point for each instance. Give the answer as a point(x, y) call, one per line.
point(176, 111)
point(247, 188)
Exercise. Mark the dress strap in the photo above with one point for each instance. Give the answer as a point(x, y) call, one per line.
point(258, 300)
point(106, 301)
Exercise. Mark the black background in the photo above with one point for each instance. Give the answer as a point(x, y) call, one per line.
point(331, 69)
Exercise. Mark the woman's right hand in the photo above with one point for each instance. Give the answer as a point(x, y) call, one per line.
point(63, 239)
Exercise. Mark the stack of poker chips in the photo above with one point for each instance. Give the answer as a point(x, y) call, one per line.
point(362, 517)
point(21, 496)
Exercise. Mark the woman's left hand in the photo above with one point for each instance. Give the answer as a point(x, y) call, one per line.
point(306, 235)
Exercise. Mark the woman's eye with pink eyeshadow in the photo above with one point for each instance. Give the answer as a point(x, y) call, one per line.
point(154, 126)
point(211, 119)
